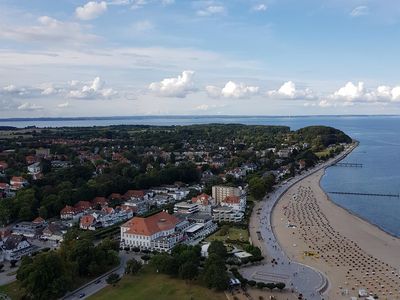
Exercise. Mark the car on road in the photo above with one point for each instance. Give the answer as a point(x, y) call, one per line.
point(97, 281)
point(81, 295)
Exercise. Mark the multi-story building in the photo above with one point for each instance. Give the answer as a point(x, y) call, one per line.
point(226, 214)
point(186, 207)
point(220, 192)
point(160, 231)
point(235, 202)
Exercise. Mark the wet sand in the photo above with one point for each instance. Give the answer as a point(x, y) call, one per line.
point(351, 252)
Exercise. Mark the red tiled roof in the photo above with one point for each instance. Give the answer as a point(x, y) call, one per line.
point(83, 205)
point(18, 179)
point(232, 199)
point(3, 165)
point(150, 225)
point(3, 186)
point(87, 220)
point(67, 210)
point(38, 220)
point(202, 199)
point(99, 200)
point(134, 194)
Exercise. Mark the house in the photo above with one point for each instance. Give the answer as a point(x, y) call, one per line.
point(28, 229)
point(160, 232)
point(54, 232)
point(42, 152)
point(134, 195)
point(205, 202)
point(284, 153)
point(99, 201)
point(18, 182)
point(34, 168)
point(83, 206)
point(88, 222)
point(69, 213)
point(107, 216)
point(16, 246)
point(235, 202)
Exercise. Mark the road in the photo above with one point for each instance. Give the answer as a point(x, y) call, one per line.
point(93, 287)
point(298, 277)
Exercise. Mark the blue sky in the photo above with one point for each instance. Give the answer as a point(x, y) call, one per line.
point(255, 57)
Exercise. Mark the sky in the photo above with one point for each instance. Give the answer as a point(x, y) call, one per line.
point(71, 58)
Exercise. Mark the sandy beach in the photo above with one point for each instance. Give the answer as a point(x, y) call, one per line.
point(351, 252)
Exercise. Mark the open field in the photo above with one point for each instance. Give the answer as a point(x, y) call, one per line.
point(229, 233)
point(156, 286)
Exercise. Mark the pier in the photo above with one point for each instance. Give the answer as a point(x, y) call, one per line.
point(348, 164)
point(366, 194)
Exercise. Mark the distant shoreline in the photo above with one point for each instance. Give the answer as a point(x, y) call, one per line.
point(83, 118)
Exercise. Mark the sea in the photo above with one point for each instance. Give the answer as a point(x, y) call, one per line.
point(378, 152)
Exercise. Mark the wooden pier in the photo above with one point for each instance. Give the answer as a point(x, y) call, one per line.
point(366, 194)
point(348, 164)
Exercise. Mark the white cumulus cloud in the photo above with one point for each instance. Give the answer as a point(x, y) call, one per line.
point(179, 86)
point(211, 10)
point(289, 91)
point(93, 90)
point(232, 90)
point(91, 10)
point(63, 105)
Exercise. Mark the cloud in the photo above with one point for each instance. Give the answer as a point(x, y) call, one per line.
point(63, 105)
point(142, 26)
point(206, 107)
point(29, 107)
point(91, 90)
point(351, 94)
point(259, 7)
point(91, 10)
point(48, 30)
point(211, 10)
point(359, 11)
point(179, 86)
point(232, 90)
point(289, 91)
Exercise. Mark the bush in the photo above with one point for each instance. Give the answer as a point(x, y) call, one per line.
point(260, 285)
point(252, 283)
point(113, 278)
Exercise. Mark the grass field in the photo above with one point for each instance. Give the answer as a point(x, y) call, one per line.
point(148, 286)
point(13, 290)
point(232, 233)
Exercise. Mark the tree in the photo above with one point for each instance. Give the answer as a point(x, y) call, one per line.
point(270, 286)
point(46, 276)
point(133, 266)
point(188, 270)
point(218, 248)
point(257, 188)
point(280, 285)
point(113, 279)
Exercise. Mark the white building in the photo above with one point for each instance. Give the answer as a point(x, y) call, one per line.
point(226, 214)
point(160, 231)
point(186, 207)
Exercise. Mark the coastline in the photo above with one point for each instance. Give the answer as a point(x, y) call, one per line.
point(355, 214)
point(372, 241)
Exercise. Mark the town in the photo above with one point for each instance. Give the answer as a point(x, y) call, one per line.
point(143, 189)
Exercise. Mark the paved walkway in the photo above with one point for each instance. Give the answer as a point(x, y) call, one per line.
point(298, 277)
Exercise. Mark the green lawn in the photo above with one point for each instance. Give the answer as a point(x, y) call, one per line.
point(148, 286)
point(13, 290)
point(233, 234)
